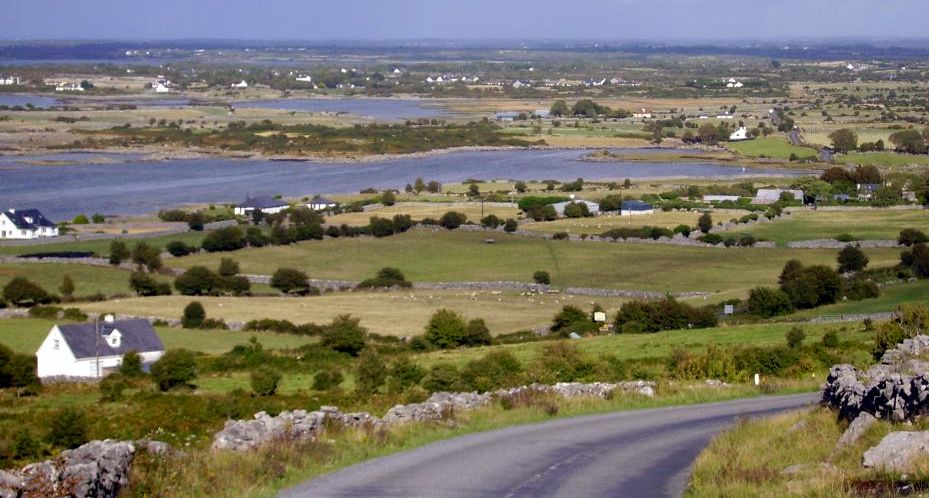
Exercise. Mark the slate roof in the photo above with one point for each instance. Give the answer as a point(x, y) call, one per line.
point(321, 200)
point(137, 335)
point(28, 219)
point(262, 203)
point(636, 206)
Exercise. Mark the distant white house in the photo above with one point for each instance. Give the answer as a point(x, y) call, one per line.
point(321, 203)
point(69, 87)
point(265, 205)
point(506, 116)
point(92, 350)
point(642, 114)
point(520, 84)
point(724, 115)
point(740, 134)
point(25, 224)
point(241, 84)
point(9, 80)
point(304, 78)
point(635, 208)
point(592, 207)
point(542, 113)
point(772, 195)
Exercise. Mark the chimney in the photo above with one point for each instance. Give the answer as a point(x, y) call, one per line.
point(109, 318)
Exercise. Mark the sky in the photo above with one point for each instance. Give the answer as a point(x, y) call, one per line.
point(660, 20)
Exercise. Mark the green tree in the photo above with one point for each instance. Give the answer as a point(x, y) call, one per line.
point(510, 226)
point(445, 329)
point(194, 315)
point(97, 218)
point(228, 267)
point(80, 219)
point(473, 190)
point(910, 236)
point(795, 337)
point(404, 374)
point(559, 108)
point(705, 222)
point(476, 333)
point(23, 292)
point(388, 198)
point(291, 281)
point(118, 252)
point(851, 259)
point(844, 140)
point(224, 239)
point(198, 281)
point(177, 367)
point(345, 335)
point(452, 220)
point(371, 372)
point(67, 287)
point(131, 365)
point(265, 381)
point(419, 185)
point(767, 302)
point(909, 142)
point(542, 277)
point(147, 256)
point(520, 187)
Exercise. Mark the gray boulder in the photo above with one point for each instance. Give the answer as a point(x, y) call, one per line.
point(897, 452)
point(856, 429)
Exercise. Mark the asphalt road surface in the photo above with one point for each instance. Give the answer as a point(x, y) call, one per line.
point(635, 454)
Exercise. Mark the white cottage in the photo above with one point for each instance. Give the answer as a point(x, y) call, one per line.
point(265, 205)
point(320, 203)
point(25, 224)
point(91, 350)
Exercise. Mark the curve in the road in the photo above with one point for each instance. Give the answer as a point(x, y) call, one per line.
point(636, 454)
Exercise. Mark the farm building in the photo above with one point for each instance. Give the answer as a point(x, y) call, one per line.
point(642, 114)
point(265, 205)
point(320, 203)
point(592, 207)
point(739, 135)
point(636, 208)
point(720, 198)
point(26, 224)
point(91, 350)
point(772, 195)
point(506, 116)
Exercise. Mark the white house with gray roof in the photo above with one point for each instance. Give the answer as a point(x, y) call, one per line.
point(91, 350)
point(25, 224)
point(266, 205)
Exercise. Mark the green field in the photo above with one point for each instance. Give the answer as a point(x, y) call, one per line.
point(804, 224)
point(599, 224)
point(774, 147)
point(24, 335)
point(883, 159)
point(463, 256)
point(88, 279)
point(102, 247)
point(891, 296)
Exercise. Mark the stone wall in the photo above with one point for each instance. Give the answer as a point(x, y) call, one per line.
point(243, 435)
point(107, 236)
point(835, 244)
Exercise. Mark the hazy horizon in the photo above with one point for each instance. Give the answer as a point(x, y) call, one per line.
point(410, 20)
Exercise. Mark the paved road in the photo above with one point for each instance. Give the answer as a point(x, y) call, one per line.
point(636, 454)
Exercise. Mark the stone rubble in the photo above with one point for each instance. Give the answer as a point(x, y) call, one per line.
point(243, 435)
point(98, 469)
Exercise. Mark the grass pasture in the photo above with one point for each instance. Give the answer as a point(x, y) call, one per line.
point(463, 256)
point(388, 313)
point(420, 210)
point(599, 224)
point(101, 247)
point(775, 147)
point(88, 279)
point(864, 224)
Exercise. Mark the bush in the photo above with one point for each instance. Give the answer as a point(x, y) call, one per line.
point(476, 334)
point(371, 372)
point(831, 339)
point(809, 287)
point(80, 219)
point(404, 374)
point(542, 277)
point(711, 238)
point(911, 236)
point(264, 381)
point(795, 337)
point(178, 249)
point(177, 367)
point(67, 287)
point(112, 387)
point(561, 361)
point(345, 335)
point(194, 315)
point(851, 259)
point(147, 256)
point(445, 329)
point(560, 236)
point(666, 314)
point(131, 365)
point(845, 237)
point(327, 379)
point(46, 312)
point(857, 289)
point(572, 319)
point(291, 281)
point(22, 292)
point(144, 284)
point(510, 226)
point(380, 227)
point(224, 239)
point(494, 370)
point(917, 259)
point(17, 370)
point(442, 377)
point(705, 222)
point(452, 220)
point(491, 221)
point(386, 278)
point(767, 302)
point(68, 428)
point(118, 252)
point(198, 281)
point(576, 210)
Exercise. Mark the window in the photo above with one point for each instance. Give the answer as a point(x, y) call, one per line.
point(57, 344)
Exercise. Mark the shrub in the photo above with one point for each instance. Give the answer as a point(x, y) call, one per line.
point(491, 221)
point(22, 292)
point(224, 239)
point(683, 230)
point(112, 387)
point(144, 284)
point(254, 237)
point(46, 312)
point(371, 372)
point(404, 374)
point(345, 335)
point(194, 315)
point(767, 302)
point(131, 365)
point(452, 220)
point(851, 259)
point(666, 314)
point(917, 259)
point(68, 428)
point(67, 287)
point(177, 367)
point(561, 361)
point(857, 289)
point(572, 319)
point(711, 238)
point(911, 236)
point(576, 210)
point(510, 226)
point(809, 287)
point(442, 377)
point(17, 370)
point(560, 236)
point(327, 379)
point(542, 277)
point(388, 198)
point(476, 333)
point(264, 381)
point(179, 249)
point(831, 339)
point(74, 315)
point(445, 329)
point(380, 227)
point(291, 281)
point(494, 370)
point(795, 337)
point(845, 237)
point(118, 252)
point(80, 219)
point(386, 277)
point(147, 256)
point(705, 222)
point(198, 281)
